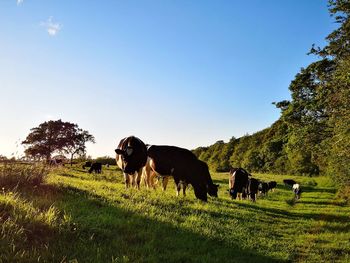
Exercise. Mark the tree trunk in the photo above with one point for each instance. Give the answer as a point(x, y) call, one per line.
point(48, 158)
point(71, 159)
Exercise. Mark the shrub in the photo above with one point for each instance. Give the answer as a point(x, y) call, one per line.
point(106, 160)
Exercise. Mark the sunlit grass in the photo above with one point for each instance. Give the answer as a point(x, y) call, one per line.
point(93, 218)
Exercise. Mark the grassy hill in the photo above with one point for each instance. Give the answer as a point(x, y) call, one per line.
point(78, 217)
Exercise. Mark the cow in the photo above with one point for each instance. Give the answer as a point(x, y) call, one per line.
point(263, 188)
point(238, 182)
point(96, 167)
point(131, 157)
point(184, 167)
point(252, 188)
point(272, 185)
point(289, 182)
point(87, 164)
point(182, 184)
point(297, 191)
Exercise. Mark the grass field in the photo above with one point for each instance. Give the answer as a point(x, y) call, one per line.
point(79, 217)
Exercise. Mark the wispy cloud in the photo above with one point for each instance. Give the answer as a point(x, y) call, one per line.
point(52, 28)
point(19, 2)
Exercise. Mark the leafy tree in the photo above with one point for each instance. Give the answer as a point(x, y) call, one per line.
point(312, 135)
point(76, 139)
point(56, 136)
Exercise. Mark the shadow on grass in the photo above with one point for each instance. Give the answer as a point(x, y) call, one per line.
point(341, 204)
point(104, 230)
point(308, 189)
point(293, 215)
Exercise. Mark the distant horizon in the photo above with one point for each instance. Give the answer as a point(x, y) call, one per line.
point(176, 73)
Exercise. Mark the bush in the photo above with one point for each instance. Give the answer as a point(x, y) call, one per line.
point(106, 160)
point(15, 175)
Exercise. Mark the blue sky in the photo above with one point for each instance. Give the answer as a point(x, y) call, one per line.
point(185, 73)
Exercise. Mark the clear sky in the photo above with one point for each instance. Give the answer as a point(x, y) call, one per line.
point(176, 72)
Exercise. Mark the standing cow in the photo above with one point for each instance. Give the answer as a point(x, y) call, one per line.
point(131, 157)
point(263, 188)
point(238, 182)
point(184, 167)
point(297, 191)
point(252, 188)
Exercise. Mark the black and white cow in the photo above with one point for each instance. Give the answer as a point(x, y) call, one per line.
point(95, 167)
point(238, 182)
point(252, 188)
point(272, 185)
point(289, 182)
point(263, 188)
point(131, 157)
point(184, 167)
point(297, 191)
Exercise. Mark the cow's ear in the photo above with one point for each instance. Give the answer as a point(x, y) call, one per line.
point(119, 151)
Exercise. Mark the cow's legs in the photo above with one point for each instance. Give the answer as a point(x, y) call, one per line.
point(138, 178)
point(127, 180)
point(252, 197)
point(165, 180)
point(244, 193)
point(151, 179)
point(184, 185)
point(177, 186)
point(146, 174)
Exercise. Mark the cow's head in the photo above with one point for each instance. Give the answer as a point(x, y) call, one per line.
point(205, 175)
point(133, 153)
point(213, 190)
point(233, 193)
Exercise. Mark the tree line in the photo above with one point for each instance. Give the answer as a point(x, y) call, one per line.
point(312, 135)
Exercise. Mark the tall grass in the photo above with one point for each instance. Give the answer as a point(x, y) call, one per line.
point(15, 175)
point(26, 230)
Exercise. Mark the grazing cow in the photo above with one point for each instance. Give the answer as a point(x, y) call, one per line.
point(263, 188)
point(183, 166)
point(297, 191)
point(272, 185)
point(252, 188)
point(131, 157)
point(183, 184)
point(289, 182)
point(238, 182)
point(96, 167)
point(87, 164)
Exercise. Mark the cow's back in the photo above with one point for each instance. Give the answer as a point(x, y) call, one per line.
point(172, 160)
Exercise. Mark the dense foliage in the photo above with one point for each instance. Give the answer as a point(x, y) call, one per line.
point(106, 160)
point(312, 135)
point(56, 136)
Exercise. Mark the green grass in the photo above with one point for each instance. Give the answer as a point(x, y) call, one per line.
point(80, 217)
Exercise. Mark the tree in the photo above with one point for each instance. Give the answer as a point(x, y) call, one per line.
point(56, 136)
point(76, 140)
